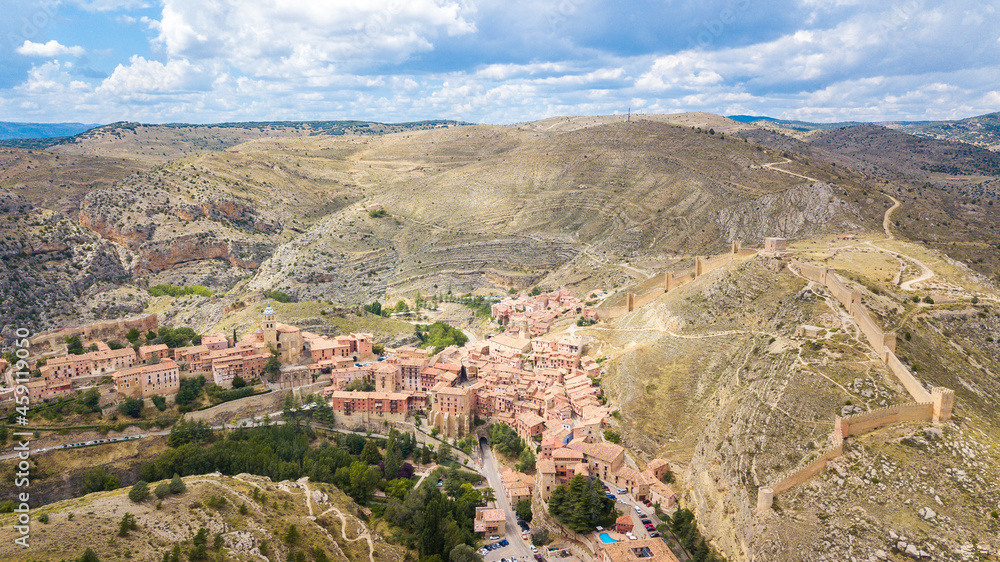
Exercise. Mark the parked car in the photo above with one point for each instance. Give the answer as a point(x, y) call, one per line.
point(504, 542)
point(622, 491)
point(611, 496)
point(648, 503)
point(533, 548)
point(494, 538)
point(650, 527)
point(646, 521)
point(654, 534)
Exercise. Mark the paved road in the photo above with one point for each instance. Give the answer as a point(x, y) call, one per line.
point(517, 547)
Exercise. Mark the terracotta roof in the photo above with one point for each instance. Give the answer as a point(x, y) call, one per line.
point(565, 453)
point(545, 466)
point(606, 452)
point(166, 364)
point(494, 515)
point(642, 550)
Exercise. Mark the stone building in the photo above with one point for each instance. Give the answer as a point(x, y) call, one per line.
point(285, 339)
point(148, 380)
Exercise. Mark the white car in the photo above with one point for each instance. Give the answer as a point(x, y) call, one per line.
point(494, 538)
point(533, 548)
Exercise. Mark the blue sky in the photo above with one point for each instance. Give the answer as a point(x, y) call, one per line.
point(98, 61)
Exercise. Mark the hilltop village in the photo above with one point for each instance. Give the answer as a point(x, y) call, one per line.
point(545, 388)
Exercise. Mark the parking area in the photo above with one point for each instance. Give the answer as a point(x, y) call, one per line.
point(644, 519)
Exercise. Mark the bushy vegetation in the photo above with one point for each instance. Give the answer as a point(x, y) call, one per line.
point(184, 432)
point(278, 452)
point(139, 491)
point(582, 506)
point(175, 291)
point(374, 308)
point(359, 385)
point(277, 295)
point(74, 346)
point(505, 440)
point(218, 395)
point(189, 394)
point(523, 509)
point(131, 407)
point(179, 337)
point(440, 335)
point(683, 525)
point(433, 523)
point(97, 479)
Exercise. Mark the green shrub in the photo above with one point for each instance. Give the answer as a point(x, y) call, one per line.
point(139, 491)
point(162, 490)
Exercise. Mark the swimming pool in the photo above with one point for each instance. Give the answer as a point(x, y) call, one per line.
point(606, 538)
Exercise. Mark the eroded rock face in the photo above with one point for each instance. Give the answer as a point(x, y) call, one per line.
point(50, 267)
point(166, 228)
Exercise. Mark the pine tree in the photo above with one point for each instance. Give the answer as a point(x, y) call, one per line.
point(370, 454)
point(177, 485)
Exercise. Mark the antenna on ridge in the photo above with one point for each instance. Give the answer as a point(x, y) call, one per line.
point(629, 118)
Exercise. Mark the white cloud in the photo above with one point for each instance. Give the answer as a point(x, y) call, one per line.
point(149, 77)
point(50, 49)
point(279, 40)
point(109, 5)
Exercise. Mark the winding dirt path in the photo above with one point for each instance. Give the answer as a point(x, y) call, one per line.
point(343, 521)
point(772, 165)
point(343, 532)
point(888, 216)
point(925, 272)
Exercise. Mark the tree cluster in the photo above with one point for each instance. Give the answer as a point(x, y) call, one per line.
point(440, 335)
point(434, 523)
point(683, 525)
point(97, 479)
point(582, 505)
point(505, 440)
point(190, 432)
point(179, 337)
point(189, 394)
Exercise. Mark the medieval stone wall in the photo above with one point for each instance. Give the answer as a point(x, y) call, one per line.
point(55, 340)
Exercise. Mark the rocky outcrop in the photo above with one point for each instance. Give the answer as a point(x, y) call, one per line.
point(801, 211)
point(51, 267)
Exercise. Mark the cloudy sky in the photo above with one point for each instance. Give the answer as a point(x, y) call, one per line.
point(495, 61)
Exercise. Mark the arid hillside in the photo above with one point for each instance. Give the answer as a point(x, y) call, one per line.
point(243, 517)
point(160, 143)
point(949, 192)
point(712, 376)
point(482, 206)
point(328, 213)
